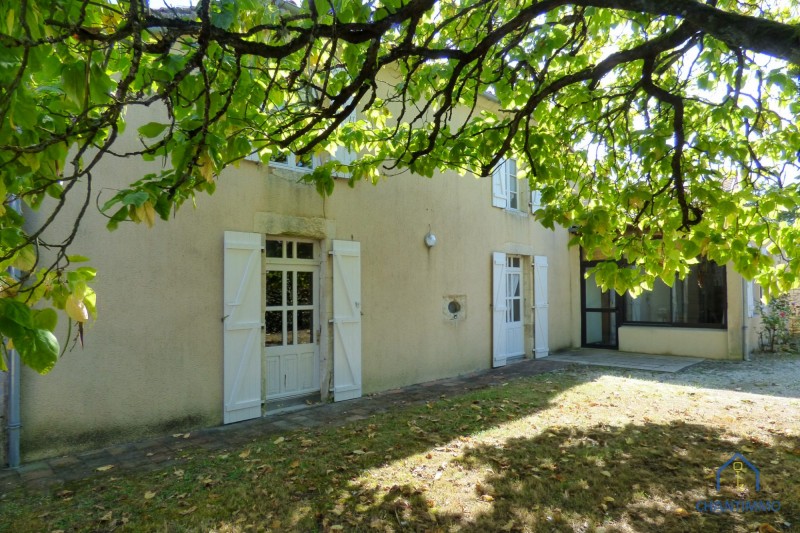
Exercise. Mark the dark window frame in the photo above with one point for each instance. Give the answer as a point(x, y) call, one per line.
point(616, 311)
point(695, 325)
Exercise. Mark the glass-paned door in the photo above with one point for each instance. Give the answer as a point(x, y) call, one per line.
point(514, 329)
point(600, 313)
point(291, 319)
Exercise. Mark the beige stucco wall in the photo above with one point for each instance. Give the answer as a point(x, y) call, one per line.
point(689, 342)
point(153, 362)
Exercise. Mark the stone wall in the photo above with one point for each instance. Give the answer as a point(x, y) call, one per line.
point(794, 321)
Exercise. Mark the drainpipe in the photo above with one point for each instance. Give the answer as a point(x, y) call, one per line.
point(14, 422)
point(745, 307)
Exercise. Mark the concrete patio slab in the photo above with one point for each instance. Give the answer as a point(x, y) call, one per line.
point(614, 358)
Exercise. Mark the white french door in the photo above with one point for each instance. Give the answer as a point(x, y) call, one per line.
point(508, 330)
point(514, 329)
point(291, 355)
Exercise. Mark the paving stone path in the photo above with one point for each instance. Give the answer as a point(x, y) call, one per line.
point(158, 453)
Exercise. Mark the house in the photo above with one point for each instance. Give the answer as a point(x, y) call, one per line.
point(268, 295)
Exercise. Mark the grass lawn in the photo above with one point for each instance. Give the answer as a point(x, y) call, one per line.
point(581, 450)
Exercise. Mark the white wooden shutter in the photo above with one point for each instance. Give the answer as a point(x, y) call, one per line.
point(498, 309)
point(748, 296)
point(536, 201)
point(540, 307)
point(343, 155)
point(500, 185)
point(346, 320)
point(243, 315)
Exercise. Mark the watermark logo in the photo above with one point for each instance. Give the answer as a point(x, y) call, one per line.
point(740, 465)
point(738, 462)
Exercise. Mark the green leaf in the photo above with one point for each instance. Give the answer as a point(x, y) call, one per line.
point(45, 319)
point(38, 349)
point(26, 259)
point(152, 129)
point(16, 312)
point(10, 329)
point(690, 248)
point(120, 215)
point(10, 21)
point(135, 198)
point(74, 77)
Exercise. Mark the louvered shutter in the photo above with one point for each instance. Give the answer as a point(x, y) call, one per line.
point(243, 316)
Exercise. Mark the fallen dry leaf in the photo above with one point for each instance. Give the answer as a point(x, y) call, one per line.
point(190, 510)
point(149, 495)
point(278, 440)
point(245, 454)
point(487, 498)
point(766, 528)
point(104, 468)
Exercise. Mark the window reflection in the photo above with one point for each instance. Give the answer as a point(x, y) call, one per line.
point(305, 327)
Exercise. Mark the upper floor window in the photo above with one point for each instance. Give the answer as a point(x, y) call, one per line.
point(505, 187)
point(506, 190)
point(308, 162)
point(291, 160)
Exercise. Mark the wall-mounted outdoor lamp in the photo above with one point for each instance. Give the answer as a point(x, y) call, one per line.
point(430, 239)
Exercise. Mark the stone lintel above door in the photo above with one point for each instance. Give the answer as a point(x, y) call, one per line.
point(308, 227)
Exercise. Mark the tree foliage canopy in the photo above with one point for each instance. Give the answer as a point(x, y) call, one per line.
point(660, 129)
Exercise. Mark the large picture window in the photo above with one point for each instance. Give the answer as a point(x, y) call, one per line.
point(697, 300)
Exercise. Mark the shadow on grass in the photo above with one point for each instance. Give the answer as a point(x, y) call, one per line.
point(292, 480)
point(640, 478)
point(321, 480)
